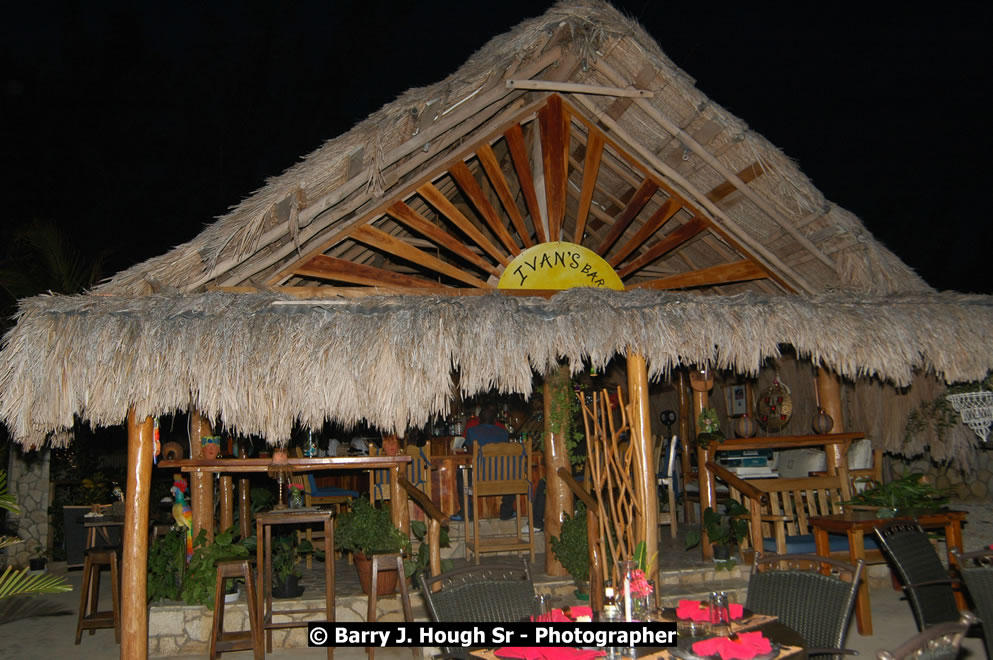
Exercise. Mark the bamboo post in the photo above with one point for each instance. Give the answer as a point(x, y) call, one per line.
point(244, 507)
point(201, 483)
point(644, 462)
point(707, 492)
point(683, 392)
point(227, 502)
point(134, 558)
point(558, 497)
point(398, 500)
point(829, 393)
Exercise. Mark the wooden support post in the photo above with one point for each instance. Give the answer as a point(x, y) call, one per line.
point(245, 507)
point(708, 495)
point(227, 502)
point(558, 497)
point(134, 558)
point(644, 461)
point(683, 392)
point(829, 393)
point(399, 511)
point(201, 483)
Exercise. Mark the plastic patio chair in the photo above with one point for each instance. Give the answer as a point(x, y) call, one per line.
point(495, 592)
point(939, 642)
point(811, 594)
point(976, 569)
point(926, 581)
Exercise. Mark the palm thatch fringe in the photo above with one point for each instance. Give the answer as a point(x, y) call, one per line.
point(260, 362)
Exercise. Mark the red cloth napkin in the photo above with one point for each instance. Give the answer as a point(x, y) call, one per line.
point(557, 615)
point(695, 610)
point(549, 653)
point(747, 646)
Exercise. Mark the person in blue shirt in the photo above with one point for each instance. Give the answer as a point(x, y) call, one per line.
point(484, 433)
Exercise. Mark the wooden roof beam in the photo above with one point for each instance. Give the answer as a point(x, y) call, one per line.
point(381, 240)
point(339, 270)
point(664, 213)
point(519, 156)
point(554, 128)
point(667, 244)
point(739, 271)
point(401, 212)
point(499, 182)
point(623, 219)
point(467, 182)
point(591, 169)
point(445, 207)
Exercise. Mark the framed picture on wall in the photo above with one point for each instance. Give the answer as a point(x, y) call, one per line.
point(737, 402)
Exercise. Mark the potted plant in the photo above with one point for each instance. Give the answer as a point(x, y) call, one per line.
point(909, 494)
point(200, 580)
point(167, 565)
point(708, 428)
point(287, 551)
point(421, 558)
point(725, 530)
point(572, 550)
point(39, 559)
point(366, 531)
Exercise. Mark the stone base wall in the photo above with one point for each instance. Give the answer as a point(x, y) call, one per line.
point(977, 486)
point(28, 482)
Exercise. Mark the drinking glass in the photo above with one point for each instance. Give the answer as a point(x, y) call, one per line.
point(720, 615)
point(542, 607)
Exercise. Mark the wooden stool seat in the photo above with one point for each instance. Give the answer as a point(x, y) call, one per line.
point(220, 641)
point(90, 618)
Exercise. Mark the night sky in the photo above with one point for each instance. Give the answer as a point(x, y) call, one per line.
point(132, 125)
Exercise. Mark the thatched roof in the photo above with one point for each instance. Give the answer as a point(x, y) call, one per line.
point(261, 362)
point(757, 203)
point(436, 191)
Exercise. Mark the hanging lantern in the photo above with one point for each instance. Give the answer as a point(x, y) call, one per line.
point(822, 422)
point(745, 427)
point(775, 407)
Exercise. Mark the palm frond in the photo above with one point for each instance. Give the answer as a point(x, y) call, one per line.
point(7, 541)
point(14, 583)
point(7, 502)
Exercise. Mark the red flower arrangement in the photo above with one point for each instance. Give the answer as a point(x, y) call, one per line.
point(640, 586)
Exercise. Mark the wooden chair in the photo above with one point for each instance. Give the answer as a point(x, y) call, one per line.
point(926, 581)
point(90, 618)
point(812, 595)
point(939, 642)
point(666, 475)
point(498, 468)
point(418, 474)
point(242, 640)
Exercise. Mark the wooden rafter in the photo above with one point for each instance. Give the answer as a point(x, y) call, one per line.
point(623, 219)
point(381, 240)
point(667, 244)
point(443, 205)
point(553, 122)
point(417, 222)
point(739, 271)
point(340, 270)
point(467, 182)
point(664, 213)
point(519, 155)
point(591, 169)
point(746, 175)
point(490, 164)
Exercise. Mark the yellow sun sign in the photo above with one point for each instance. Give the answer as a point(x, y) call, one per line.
point(558, 266)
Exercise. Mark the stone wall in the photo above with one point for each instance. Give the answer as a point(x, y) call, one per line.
point(976, 486)
point(28, 482)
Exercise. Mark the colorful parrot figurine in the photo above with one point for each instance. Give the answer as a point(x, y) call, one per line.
point(183, 514)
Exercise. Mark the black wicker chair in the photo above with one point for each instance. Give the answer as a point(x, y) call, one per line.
point(926, 581)
point(976, 569)
point(939, 642)
point(494, 592)
point(811, 594)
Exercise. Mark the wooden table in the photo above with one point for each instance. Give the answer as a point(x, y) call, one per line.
point(241, 465)
point(856, 523)
point(263, 524)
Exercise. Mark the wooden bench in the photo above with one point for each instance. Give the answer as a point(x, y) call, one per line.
point(779, 511)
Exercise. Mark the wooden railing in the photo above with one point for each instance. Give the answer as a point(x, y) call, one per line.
point(434, 519)
point(592, 540)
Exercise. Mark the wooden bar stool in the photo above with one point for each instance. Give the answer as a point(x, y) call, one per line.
point(222, 642)
point(89, 617)
point(391, 562)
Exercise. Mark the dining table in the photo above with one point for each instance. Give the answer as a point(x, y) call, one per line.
point(856, 523)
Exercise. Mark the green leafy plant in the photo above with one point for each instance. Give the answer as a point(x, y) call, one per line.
point(725, 529)
point(645, 563)
point(287, 551)
point(908, 494)
point(96, 489)
point(201, 575)
point(571, 548)
point(421, 558)
point(368, 530)
point(167, 566)
point(565, 416)
point(708, 428)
